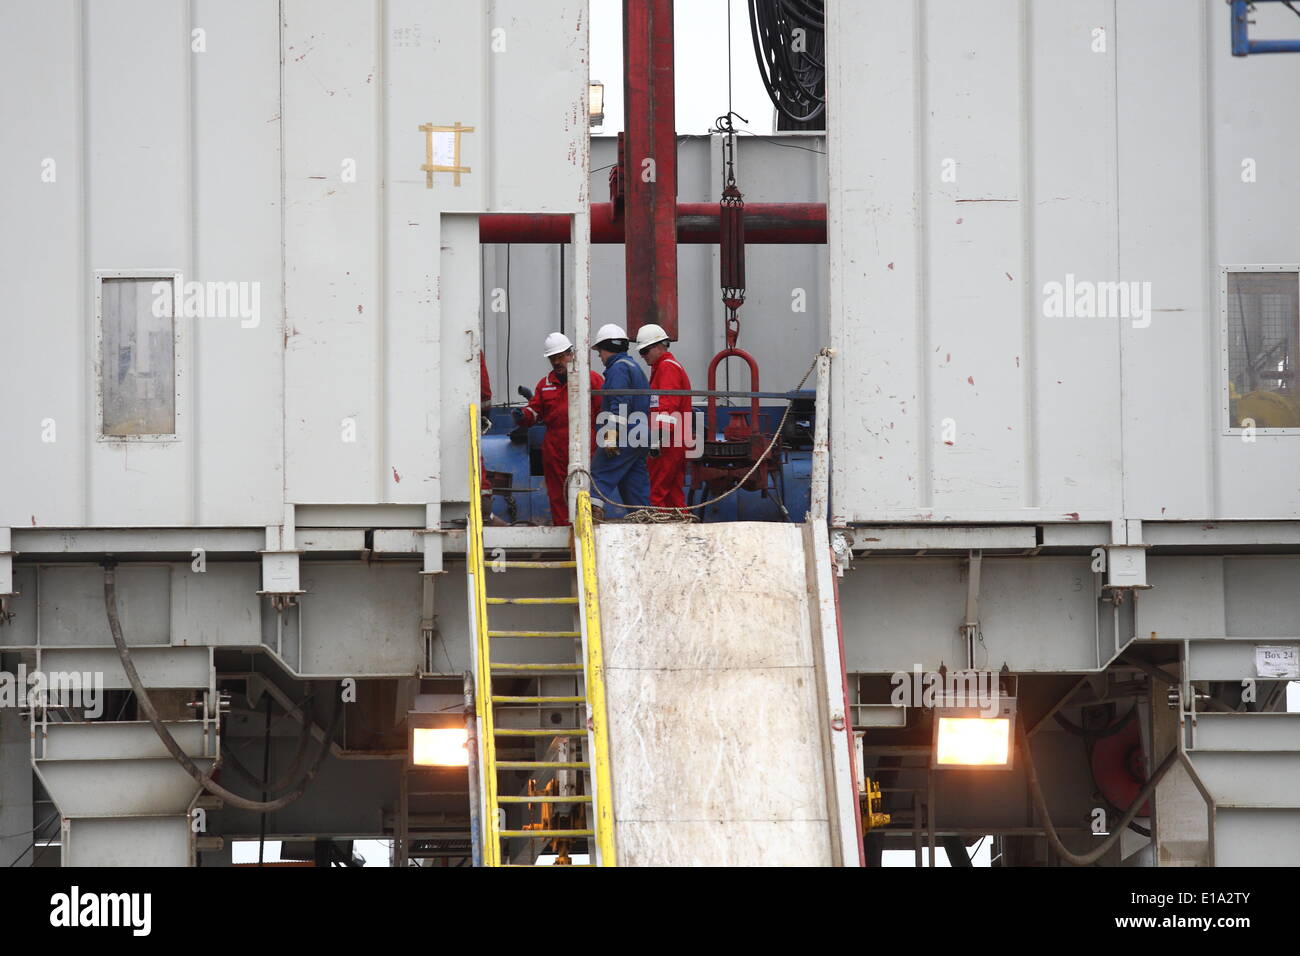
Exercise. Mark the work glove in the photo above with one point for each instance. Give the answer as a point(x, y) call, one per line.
point(518, 415)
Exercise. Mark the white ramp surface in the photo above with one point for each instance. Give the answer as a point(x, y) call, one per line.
point(716, 727)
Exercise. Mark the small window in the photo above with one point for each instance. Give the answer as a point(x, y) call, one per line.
point(1262, 324)
point(137, 357)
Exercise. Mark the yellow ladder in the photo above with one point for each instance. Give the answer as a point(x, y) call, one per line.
point(599, 830)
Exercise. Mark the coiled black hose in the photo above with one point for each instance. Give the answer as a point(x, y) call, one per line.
point(795, 79)
point(178, 754)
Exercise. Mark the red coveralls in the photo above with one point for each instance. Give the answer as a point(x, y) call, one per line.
point(550, 406)
point(484, 398)
point(668, 414)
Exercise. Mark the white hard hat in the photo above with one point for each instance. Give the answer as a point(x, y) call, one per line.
point(556, 343)
point(649, 335)
point(609, 331)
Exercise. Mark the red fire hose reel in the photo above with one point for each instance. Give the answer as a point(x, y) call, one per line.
point(1119, 767)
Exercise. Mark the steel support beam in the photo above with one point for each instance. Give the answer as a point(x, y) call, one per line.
point(650, 170)
point(782, 223)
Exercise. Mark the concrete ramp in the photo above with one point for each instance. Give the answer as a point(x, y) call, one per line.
point(725, 696)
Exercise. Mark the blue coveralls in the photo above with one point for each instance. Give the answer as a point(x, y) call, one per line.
point(623, 477)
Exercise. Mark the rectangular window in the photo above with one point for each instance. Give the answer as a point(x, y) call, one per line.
point(137, 357)
point(1262, 324)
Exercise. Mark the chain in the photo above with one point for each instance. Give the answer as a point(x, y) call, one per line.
point(724, 124)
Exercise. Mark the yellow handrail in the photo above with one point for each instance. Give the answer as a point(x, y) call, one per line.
point(602, 779)
point(593, 667)
point(482, 698)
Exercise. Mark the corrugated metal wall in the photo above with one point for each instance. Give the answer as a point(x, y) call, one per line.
point(983, 150)
point(201, 153)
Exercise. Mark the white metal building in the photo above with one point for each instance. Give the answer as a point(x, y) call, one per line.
point(1061, 286)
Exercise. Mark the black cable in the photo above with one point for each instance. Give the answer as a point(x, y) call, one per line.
point(266, 775)
point(36, 857)
point(35, 840)
point(10, 836)
point(770, 142)
point(290, 775)
point(728, 59)
point(1287, 4)
point(1040, 805)
point(126, 699)
point(1133, 825)
point(177, 753)
point(1091, 737)
point(509, 322)
point(795, 79)
point(1108, 731)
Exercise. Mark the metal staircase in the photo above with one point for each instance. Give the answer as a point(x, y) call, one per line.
point(555, 799)
point(1248, 761)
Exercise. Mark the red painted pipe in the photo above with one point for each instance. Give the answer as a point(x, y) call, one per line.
point(697, 223)
point(650, 165)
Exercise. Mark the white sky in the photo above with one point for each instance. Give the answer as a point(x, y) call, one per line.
point(700, 35)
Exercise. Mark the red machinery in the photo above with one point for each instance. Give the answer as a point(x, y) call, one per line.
point(1119, 767)
point(726, 460)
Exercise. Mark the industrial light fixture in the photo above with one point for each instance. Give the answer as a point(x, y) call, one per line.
point(974, 738)
point(437, 740)
point(596, 111)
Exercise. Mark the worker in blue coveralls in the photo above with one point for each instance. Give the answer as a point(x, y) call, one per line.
point(618, 466)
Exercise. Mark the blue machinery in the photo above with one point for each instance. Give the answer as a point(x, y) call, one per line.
point(525, 499)
point(1243, 45)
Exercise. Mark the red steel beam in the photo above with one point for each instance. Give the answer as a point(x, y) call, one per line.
point(697, 223)
point(650, 171)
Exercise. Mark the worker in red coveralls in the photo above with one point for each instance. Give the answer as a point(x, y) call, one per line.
point(550, 406)
point(669, 419)
point(485, 399)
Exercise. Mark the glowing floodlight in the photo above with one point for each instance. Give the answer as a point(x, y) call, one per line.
point(437, 740)
point(973, 737)
point(435, 747)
